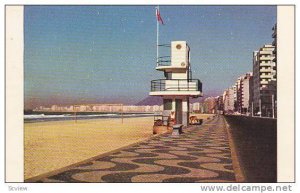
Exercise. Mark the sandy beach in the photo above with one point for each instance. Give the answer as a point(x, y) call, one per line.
point(53, 145)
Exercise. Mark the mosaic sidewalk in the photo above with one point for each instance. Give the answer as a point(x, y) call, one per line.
point(200, 154)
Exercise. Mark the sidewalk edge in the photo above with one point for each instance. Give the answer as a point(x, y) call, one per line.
point(238, 172)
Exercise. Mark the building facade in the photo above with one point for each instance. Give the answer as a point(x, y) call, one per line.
point(245, 87)
point(228, 100)
point(274, 43)
point(220, 104)
point(264, 81)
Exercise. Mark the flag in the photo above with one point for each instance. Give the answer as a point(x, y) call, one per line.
point(159, 19)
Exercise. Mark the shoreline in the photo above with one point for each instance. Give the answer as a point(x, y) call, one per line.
point(88, 117)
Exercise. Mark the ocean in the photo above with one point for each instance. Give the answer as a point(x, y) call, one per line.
point(30, 117)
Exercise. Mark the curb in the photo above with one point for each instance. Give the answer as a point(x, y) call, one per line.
point(238, 172)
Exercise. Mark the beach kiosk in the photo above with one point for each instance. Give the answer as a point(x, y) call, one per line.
point(176, 88)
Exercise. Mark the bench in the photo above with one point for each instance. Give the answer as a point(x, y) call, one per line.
point(177, 129)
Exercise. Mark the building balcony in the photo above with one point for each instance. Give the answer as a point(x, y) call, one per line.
point(164, 61)
point(162, 87)
point(266, 76)
point(265, 70)
point(266, 64)
point(264, 82)
point(266, 58)
point(265, 52)
point(164, 64)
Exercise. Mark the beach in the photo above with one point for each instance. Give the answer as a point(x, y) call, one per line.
point(53, 145)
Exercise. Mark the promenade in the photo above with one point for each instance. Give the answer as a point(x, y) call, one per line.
point(200, 154)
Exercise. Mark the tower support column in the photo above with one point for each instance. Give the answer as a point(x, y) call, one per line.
point(185, 111)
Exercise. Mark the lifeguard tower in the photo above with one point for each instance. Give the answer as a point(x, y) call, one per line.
point(178, 85)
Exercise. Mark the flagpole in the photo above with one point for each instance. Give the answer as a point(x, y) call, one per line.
point(157, 37)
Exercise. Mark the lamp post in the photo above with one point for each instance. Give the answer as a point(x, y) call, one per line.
point(260, 108)
point(252, 109)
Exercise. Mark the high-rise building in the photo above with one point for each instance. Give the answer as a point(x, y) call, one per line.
point(244, 93)
point(264, 81)
point(237, 95)
point(274, 43)
point(228, 100)
point(220, 104)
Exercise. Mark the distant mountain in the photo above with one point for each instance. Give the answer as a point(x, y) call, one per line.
point(196, 100)
point(151, 100)
point(157, 100)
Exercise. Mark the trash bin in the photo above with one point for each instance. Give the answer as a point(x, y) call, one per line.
point(177, 129)
point(200, 121)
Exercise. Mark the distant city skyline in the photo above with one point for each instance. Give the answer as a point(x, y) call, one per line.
point(99, 54)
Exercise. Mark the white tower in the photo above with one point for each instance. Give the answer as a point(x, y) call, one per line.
point(178, 85)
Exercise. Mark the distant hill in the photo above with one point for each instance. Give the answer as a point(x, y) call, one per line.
point(195, 100)
point(157, 100)
point(150, 100)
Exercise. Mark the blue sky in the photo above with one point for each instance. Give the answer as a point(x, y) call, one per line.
point(85, 54)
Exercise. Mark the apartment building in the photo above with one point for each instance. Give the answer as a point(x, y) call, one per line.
point(264, 80)
point(244, 93)
point(274, 43)
point(220, 104)
point(228, 100)
point(237, 95)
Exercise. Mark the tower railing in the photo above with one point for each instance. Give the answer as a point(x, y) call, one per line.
point(176, 85)
point(164, 60)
